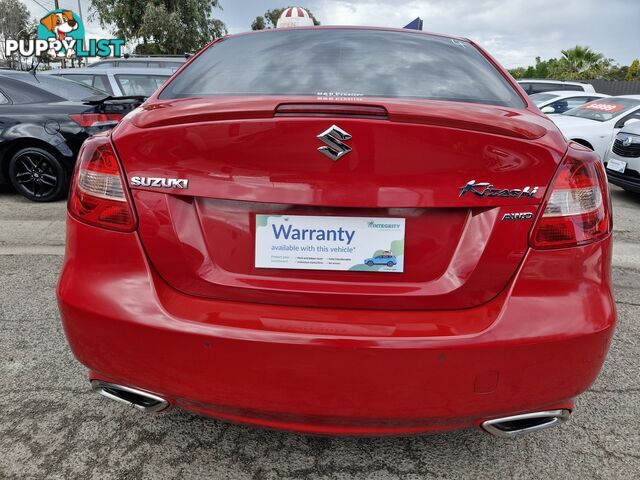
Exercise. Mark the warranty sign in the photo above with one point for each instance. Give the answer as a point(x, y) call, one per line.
point(330, 243)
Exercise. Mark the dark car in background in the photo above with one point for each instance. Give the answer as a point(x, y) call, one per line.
point(43, 122)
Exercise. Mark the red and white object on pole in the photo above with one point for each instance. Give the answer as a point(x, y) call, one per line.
point(294, 17)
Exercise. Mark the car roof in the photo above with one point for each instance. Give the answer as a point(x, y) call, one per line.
point(548, 80)
point(28, 77)
point(570, 93)
point(16, 73)
point(632, 97)
point(116, 70)
point(179, 58)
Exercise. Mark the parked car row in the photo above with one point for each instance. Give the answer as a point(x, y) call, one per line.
point(595, 124)
point(117, 81)
point(581, 114)
point(609, 125)
point(44, 120)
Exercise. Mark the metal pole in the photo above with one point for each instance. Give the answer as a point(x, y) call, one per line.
point(82, 20)
point(57, 5)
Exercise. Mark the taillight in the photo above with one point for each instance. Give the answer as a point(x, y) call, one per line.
point(96, 119)
point(577, 210)
point(98, 195)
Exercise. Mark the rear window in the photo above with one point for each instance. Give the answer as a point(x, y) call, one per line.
point(545, 87)
point(540, 98)
point(86, 79)
point(143, 85)
point(23, 93)
point(602, 110)
point(104, 65)
point(68, 89)
point(134, 64)
point(97, 81)
point(346, 63)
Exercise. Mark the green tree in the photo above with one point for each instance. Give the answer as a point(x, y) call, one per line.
point(161, 26)
point(270, 19)
point(15, 24)
point(541, 69)
point(633, 73)
point(580, 63)
point(517, 73)
point(258, 24)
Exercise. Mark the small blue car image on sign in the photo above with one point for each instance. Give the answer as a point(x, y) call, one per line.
point(385, 258)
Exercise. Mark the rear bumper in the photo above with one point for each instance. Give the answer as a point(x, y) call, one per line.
point(621, 180)
point(329, 371)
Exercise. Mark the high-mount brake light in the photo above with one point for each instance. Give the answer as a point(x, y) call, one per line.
point(98, 195)
point(578, 209)
point(330, 110)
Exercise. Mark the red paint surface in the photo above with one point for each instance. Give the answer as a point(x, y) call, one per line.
point(478, 326)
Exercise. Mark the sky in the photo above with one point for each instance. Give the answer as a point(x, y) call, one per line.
point(513, 31)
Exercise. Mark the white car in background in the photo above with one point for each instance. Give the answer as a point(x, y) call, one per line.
point(537, 85)
point(595, 124)
point(119, 81)
point(561, 101)
point(622, 161)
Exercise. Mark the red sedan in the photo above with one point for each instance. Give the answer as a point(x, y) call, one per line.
point(218, 237)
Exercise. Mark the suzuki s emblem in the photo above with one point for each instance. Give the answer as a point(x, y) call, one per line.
point(333, 138)
point(627, 141)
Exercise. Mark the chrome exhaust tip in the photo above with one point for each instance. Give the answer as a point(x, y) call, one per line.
point(516, 425)
point(138, 399)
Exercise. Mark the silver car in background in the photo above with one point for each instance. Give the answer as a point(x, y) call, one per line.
point(622, 161)
point(172, 61)
point(119, 81)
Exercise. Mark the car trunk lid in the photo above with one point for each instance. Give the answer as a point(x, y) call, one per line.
point(449, 172)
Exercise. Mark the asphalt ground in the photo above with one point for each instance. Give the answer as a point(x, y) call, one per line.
point(52, 426)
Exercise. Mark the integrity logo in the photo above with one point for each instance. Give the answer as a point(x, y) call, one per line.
point(384, 226)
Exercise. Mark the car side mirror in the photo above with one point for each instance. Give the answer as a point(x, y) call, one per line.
point(548, 109)
point(631, 121)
